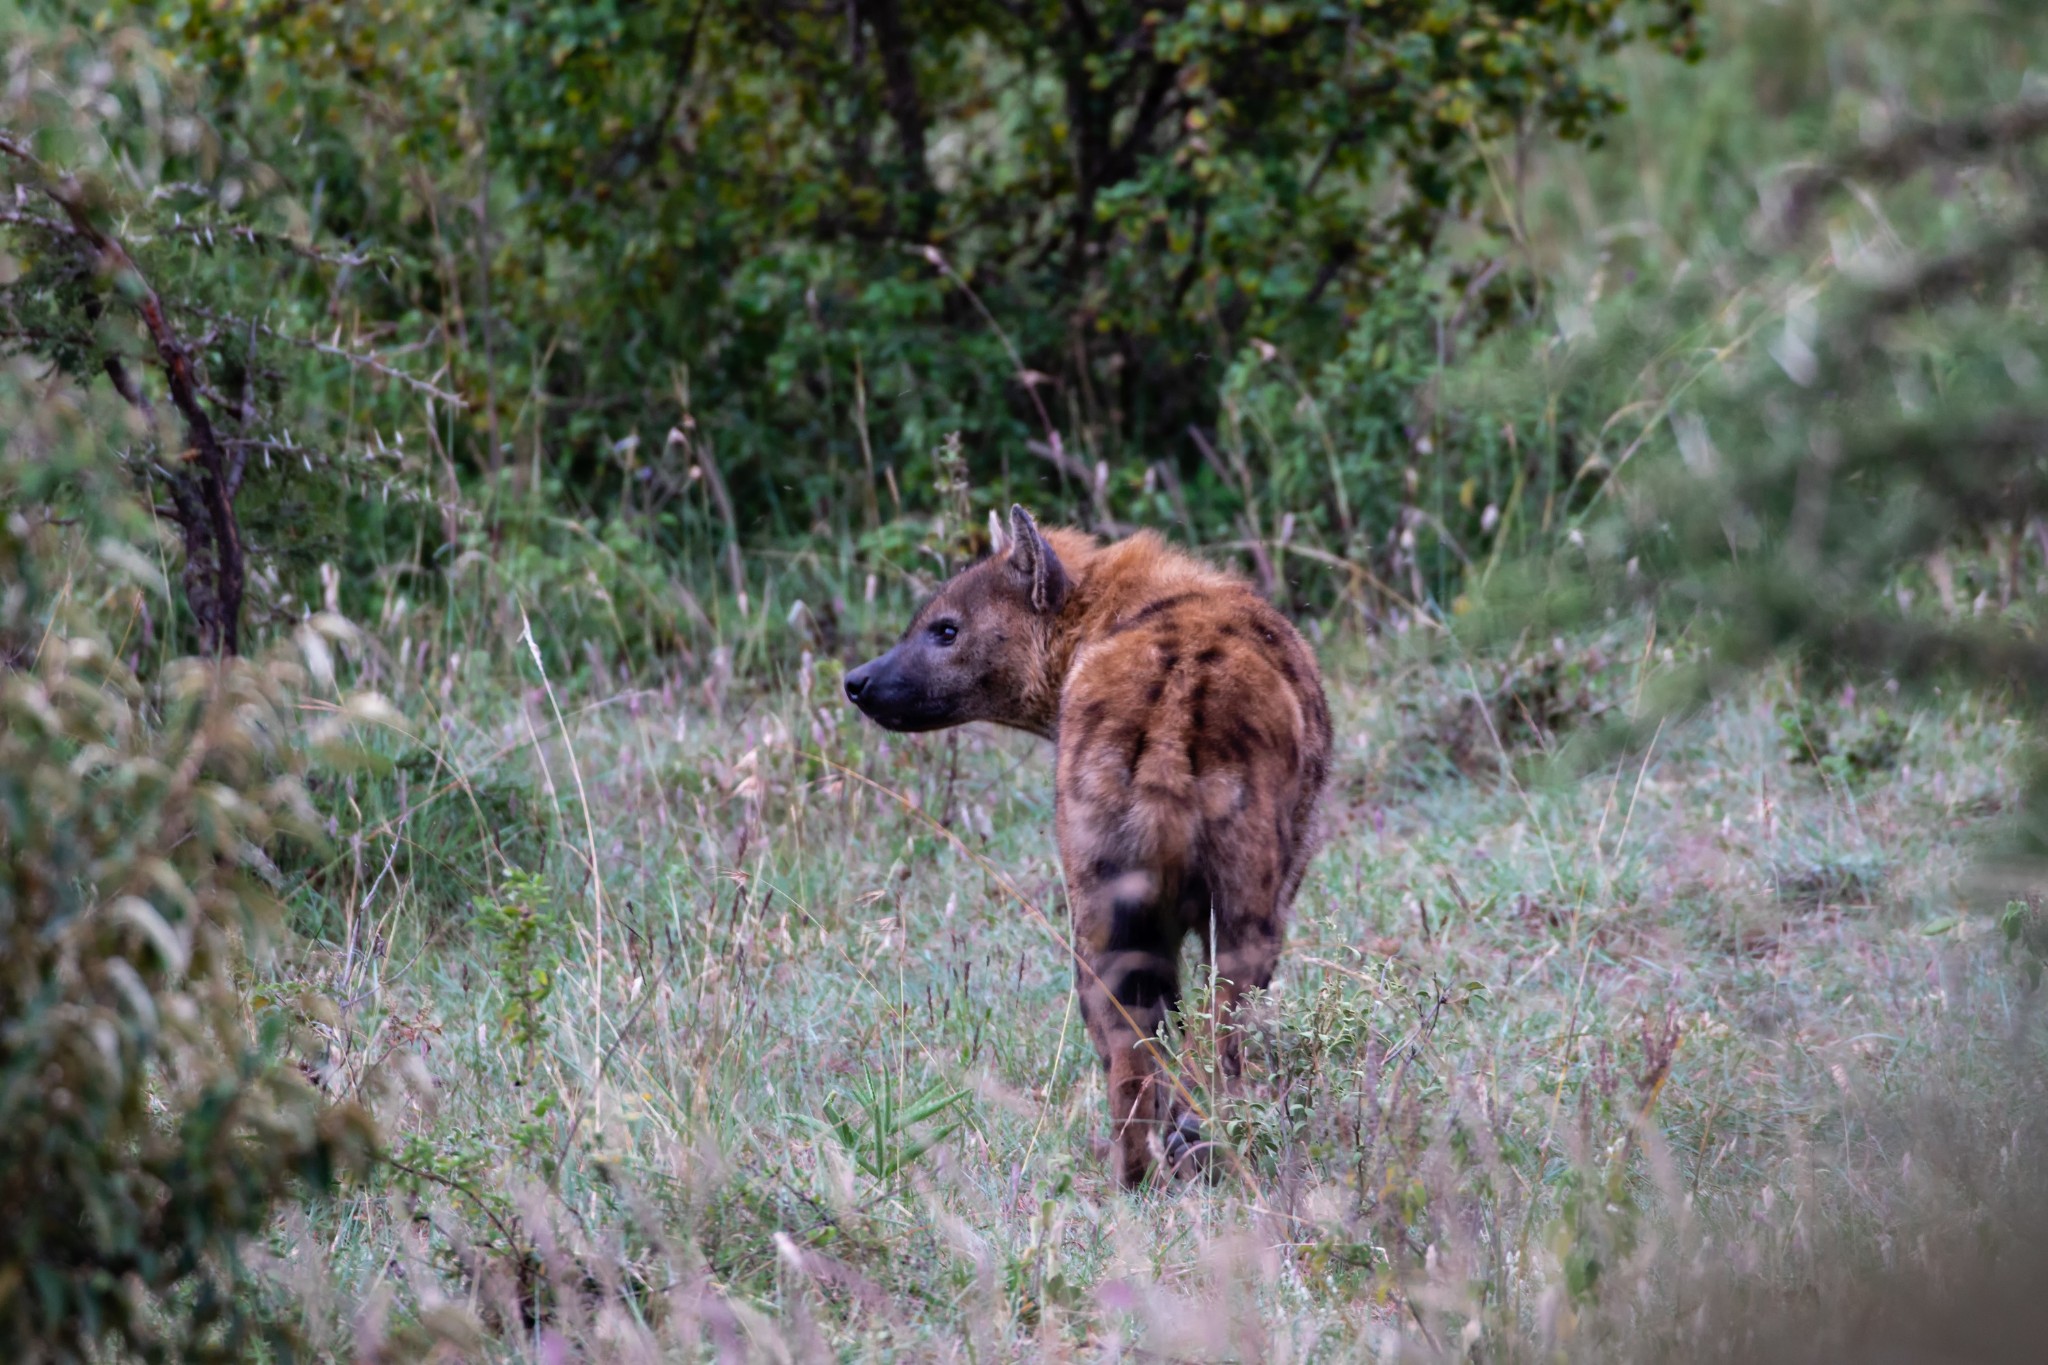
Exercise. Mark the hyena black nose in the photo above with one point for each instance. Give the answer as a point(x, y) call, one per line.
point(856, 683)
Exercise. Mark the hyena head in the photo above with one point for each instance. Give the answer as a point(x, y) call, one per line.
point(977, 650)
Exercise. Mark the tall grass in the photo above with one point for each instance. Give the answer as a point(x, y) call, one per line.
point(702, 1020)
point(1608, 1065)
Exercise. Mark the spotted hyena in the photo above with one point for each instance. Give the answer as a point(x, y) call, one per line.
point(1192, 738)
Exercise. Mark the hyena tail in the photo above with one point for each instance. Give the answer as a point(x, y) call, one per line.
point(1163, 822)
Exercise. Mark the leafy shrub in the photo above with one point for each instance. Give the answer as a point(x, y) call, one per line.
point(997, 219)
point(1846, 748)
point(147, 1125)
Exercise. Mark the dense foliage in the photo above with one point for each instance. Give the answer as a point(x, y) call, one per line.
point(834, 234)
point(717, 274)
point(1862, 487)
point(148, 1125)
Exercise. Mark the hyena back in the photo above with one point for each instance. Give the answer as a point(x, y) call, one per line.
point(1193, 740)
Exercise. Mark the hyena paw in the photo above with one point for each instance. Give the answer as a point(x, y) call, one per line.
point(1188, 1156)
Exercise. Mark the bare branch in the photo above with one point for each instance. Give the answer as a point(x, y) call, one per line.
point(1931, 281)
point(356, 358)
point(176, 187)
point(202, 232)
point(36, 222)
point(1059, 459)
point(1912, 146)
point(256, 237)
point(238, 461)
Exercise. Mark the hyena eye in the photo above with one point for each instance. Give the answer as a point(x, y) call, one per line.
point(945, 632)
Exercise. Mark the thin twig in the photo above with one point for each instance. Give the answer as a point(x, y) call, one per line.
point(1055, 447)
point(421, 1173)
point(356, 358)
point(257, 237)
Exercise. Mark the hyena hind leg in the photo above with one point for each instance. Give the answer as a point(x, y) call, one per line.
point(1126, 993)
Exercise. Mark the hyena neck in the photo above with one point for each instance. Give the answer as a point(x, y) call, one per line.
point(1078, 553)
point(1110, 583)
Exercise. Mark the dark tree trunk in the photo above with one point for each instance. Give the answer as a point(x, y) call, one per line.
point(202, 479)
point(894, 44)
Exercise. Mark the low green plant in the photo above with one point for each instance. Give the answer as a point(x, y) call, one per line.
point(876, 1132)
point(524, 922)
point(1843, 748)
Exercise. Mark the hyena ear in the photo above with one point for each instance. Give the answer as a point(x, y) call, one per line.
point(1032, 557)
point(998, 538)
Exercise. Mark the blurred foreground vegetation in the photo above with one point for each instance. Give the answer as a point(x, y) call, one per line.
point(516, 952)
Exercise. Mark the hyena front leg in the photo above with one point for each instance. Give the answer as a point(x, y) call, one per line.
point(1247, 950)
point(1128, 977)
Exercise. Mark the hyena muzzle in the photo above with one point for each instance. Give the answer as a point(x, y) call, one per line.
point(1193, 740)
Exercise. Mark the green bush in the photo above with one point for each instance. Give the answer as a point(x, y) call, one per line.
point(148, 1123)
point(834, 234)
point(1839, 441)
point(1394, 472)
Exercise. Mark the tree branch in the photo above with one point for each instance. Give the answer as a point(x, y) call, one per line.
point(1912, 146)
point(256, 237)
point(356, 358)
point(217, 535)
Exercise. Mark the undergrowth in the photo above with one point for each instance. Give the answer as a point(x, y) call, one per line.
point(692, 1016)
point(773, 1050)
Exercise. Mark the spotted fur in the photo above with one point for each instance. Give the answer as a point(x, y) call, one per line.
point(1193, 741)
